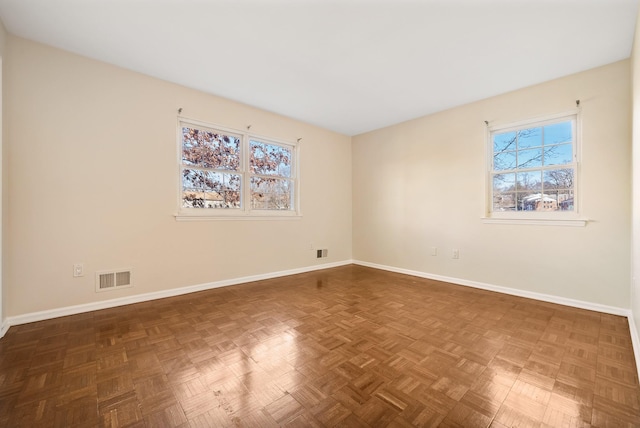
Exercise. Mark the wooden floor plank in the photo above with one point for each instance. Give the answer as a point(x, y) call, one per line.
point(349, 346)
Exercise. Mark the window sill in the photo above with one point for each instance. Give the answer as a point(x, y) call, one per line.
point(191, 217)
point(536, 221)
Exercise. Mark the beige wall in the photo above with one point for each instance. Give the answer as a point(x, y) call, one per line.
point(420, 184)
point(3, 38)
point(4, 171)
point(635, 285)
point(93, 179)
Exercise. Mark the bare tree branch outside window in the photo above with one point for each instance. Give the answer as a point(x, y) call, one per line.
point(533, 168)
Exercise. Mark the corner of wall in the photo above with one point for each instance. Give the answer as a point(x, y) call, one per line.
point(635, 340)
point(634, 318)
point(3, 182)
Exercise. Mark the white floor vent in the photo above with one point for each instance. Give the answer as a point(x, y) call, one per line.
point(112, 279)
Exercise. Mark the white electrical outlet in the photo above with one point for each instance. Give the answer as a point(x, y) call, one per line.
point(434, 251)
point(78, 269)
point(456, 254)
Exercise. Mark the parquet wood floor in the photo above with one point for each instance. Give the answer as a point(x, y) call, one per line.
point(349, 346)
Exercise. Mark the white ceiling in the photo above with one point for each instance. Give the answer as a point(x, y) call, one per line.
point(346, 65)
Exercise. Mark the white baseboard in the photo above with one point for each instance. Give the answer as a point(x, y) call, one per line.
point(88, 307)
point(105, 304)
point(4, 326)
point(635, 341)
point(505, 290)
point(635, 338)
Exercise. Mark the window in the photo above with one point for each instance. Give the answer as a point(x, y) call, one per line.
point(229, 173)
point(533, 168)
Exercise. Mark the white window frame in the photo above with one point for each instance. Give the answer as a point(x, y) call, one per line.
point(245, 212)
point(547, 218)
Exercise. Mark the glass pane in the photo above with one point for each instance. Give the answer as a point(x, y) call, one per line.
point(558, 155)
point(504, 160)
point(233, 182)
point(270, 159)
point(529, 181)
point(192, 185)
point(210, 150)
point(558, 179)
point(565, 200)
point(504, 202)
point(531, 201)
point(192, 179)
point(531, 137)
point(504, 183)
point(558, 133)
point(222, 190)
point(529, 158)
point(207, 189)
point(221, 181)
point(504, 142)
point(213, 200)
point(222, 199)
point(271, 193)
point(192, 199)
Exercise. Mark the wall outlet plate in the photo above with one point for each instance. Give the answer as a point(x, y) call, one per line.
point(78, 269)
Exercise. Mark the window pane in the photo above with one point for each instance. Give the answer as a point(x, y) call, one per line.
point(222, 199)
point(504, 202)
point(192, 179)
point(192, 184)
point(222, 190)
point(504, 183)
point(192, 199)
point(558, 179)
point(271, 193)
point(532, 167)
point(210, 150)
point(207, 189)
point(531, 137)
point(537, 202)
point(529, 181)
point(503, 161)
point(504, 142)
point(529, 158)
point(565, 200)
point(558, 155)
point(558, 133)
point(221, 181)
point(270, 159)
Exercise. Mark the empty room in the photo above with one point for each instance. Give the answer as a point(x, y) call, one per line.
point(279, 213)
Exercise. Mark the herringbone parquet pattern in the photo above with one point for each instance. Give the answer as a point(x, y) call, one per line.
point(349, 346)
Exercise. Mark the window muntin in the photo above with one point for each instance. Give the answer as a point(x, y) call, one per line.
point(231, 173)
point(533, 166)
